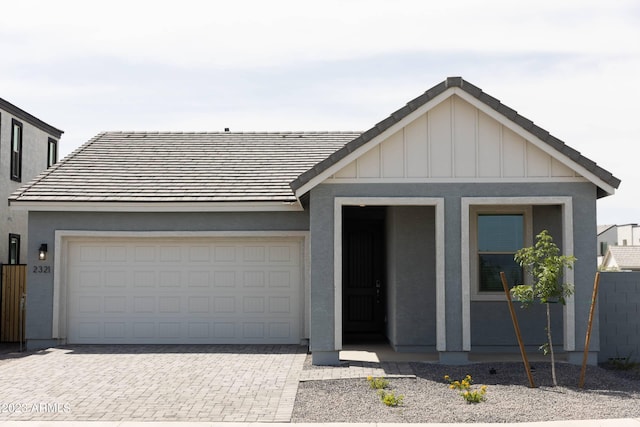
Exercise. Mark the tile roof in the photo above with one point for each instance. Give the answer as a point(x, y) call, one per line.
point(179, 167)
point(495, 104)
point(625, 257)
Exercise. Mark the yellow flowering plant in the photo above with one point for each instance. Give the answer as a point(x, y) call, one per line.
point(468, 394)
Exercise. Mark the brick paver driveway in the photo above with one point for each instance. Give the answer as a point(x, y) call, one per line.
point(152, 383)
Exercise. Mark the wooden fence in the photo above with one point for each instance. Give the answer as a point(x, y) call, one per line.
point(12, 305)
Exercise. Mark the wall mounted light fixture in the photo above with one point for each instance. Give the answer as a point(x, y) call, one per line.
point(42, 252)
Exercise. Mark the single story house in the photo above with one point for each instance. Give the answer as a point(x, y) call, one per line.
point(621, 258)
point(395, 233)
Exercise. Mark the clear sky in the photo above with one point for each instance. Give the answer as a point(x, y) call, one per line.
point(571, 66)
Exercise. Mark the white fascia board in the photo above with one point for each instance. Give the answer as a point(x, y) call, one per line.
point(157, 207)
point(562, 158)
point(372, 143)
point(470, 180)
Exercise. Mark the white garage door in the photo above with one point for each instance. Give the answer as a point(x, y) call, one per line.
point(181, 291)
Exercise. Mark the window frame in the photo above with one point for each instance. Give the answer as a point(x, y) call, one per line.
point(475, 211)
point(52, 147)
point(15, 171)
point(14, 237)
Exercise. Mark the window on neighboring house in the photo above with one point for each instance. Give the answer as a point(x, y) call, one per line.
point(52, 152)
point(16, 150)
point(499, 237)
point(624, 242)
point(14, 249)
point(603, 248)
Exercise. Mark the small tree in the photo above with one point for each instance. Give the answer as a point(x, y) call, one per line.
point(546, 266)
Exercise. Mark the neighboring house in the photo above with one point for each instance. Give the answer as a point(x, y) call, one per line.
point(621, 258)
point(397, 233)
point(607, 235)
point(616, 235)
point(27, 147)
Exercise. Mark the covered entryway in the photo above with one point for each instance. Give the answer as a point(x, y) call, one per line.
point(215, 290)
point(389, 251)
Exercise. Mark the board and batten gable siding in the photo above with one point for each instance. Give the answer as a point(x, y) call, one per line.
point(455, 140)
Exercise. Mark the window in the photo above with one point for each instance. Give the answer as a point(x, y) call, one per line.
point(14, 249)
point(499, 237)
point(496, 232)
point(52, 152)
point(603, 248)
point(16, 150)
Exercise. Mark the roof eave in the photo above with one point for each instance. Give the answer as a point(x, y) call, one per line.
point(29, 118)
point(159, 206)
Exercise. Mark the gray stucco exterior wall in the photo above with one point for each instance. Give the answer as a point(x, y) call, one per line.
point(43, 225)
point(411, 278)
point(411, 264)
point(491, 326)
point(322, 200)
point(619, 315)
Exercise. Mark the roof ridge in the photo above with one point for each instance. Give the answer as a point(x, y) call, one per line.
point(339, 132)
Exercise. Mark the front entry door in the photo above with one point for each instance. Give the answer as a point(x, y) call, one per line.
point(363, 275)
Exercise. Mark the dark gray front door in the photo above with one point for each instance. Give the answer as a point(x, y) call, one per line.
point(363, 274)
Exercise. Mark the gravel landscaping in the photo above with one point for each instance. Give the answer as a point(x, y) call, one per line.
point(427, 398)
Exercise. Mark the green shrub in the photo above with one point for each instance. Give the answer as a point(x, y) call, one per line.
point(378, 383)
point(390, 398)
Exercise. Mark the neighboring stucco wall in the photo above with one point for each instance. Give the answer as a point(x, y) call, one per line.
point(619, 315)
point(42, 227)
point(610, 237)
point(628, 235)
point(411, 279)
point(322, 234)
point(34, 161)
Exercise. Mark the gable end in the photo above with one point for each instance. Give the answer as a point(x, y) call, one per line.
point(605, 181)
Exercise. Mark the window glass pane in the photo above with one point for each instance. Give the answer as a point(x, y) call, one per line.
point(52, 157)
point(14, 249)
point(16, 150)
point(500, 233)
point(491, 265)
point(16, 138)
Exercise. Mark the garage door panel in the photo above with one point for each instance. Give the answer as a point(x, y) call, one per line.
point(280, 279)
point(170, 304)
point(115, 330)
point(115, 253)
point(224, 279)
point(253, 279)
point(115, 278)
point(144, 279)
point(190, 291)
point(144, 254)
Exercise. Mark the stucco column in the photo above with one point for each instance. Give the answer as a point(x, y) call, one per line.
point(322, 339)
point(454, 353)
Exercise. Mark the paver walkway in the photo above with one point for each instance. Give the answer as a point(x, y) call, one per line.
point(152, 383)
point(354, 369)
